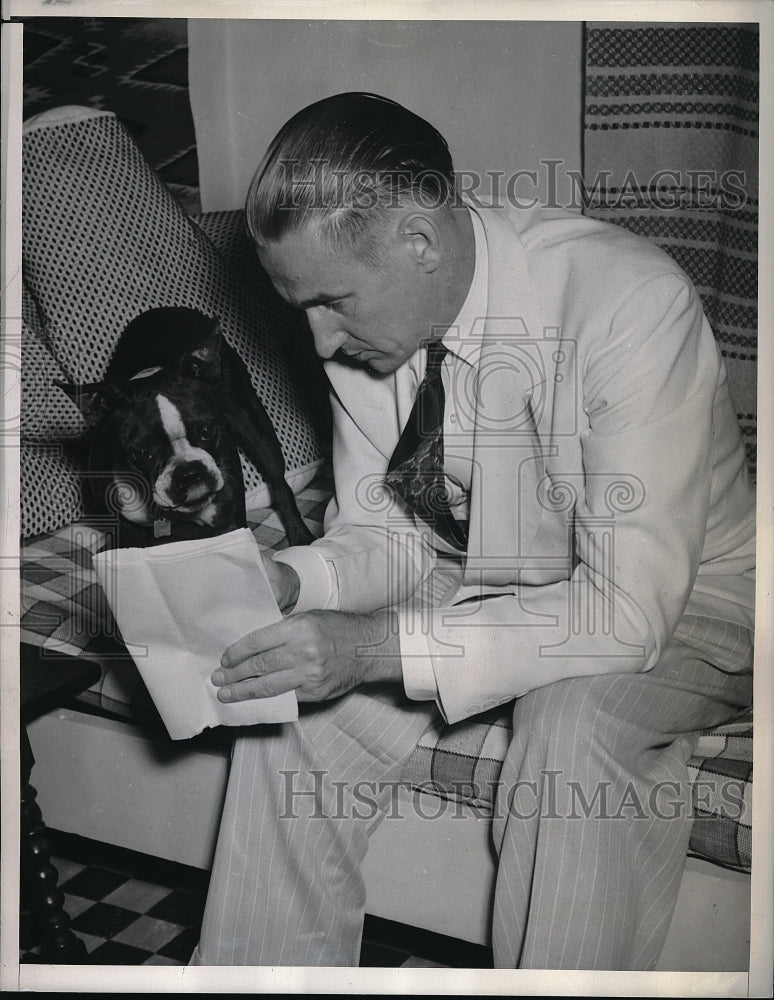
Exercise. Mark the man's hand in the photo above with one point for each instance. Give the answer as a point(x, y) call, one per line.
point(317, 654)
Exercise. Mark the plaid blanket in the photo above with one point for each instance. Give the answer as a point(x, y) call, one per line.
point(64, 612)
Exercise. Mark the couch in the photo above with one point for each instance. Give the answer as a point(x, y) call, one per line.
point(103, 240)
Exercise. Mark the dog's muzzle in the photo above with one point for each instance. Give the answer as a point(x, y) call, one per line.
point(187, 487)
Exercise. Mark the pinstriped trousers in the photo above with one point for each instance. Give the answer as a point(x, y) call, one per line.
point(591, 824)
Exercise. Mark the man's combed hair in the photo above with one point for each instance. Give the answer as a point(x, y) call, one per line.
point(341, 161)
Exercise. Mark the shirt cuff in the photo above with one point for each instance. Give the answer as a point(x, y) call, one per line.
point(319, 589)
point(418, 674)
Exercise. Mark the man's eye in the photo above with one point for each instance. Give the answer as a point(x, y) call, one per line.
point(336, 306)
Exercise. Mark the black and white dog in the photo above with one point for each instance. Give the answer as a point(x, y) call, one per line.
point(165, 424)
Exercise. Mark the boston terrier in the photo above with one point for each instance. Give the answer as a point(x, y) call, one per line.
point(164, 427)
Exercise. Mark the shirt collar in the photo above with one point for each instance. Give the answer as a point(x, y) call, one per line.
point(464, 336)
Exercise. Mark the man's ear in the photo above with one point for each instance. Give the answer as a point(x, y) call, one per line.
point(94, 399)
point(205, 357)
point(423, 237)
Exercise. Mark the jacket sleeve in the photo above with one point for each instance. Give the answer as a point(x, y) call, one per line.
point(648, 391)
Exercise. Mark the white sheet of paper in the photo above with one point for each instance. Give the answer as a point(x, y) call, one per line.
point(178, 607)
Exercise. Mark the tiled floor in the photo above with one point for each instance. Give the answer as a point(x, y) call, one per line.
point(130, 909)
point(127, 909)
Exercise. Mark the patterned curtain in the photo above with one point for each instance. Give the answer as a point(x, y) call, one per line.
point(134, 67)
point(671, 153)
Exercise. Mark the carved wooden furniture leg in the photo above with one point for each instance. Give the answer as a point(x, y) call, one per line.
point(40, 893)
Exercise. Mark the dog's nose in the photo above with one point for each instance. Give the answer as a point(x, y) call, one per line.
point(186, 476)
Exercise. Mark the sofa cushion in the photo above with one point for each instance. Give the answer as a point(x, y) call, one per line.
point(103, 240)
point(48, 415)
point(462, 763)
point(721, 772)
point(50, 484)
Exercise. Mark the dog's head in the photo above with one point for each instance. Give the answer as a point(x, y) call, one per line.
point(161, 440)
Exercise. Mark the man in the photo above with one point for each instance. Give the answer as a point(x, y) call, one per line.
point(540, 495)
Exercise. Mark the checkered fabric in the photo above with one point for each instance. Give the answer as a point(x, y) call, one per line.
point(721, 772)
point(64, 611)
point(462, 763)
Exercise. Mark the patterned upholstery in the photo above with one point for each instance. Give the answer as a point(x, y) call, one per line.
point(462, 763)
point(103, 240)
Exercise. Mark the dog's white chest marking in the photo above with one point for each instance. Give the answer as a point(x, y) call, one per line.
point(183, 452)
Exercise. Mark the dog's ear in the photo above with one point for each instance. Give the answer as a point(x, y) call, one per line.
point(204, 358)
point(94, 400)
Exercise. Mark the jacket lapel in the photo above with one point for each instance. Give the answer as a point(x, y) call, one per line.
point(508, 461)
point(514, 407)
point(374, 401)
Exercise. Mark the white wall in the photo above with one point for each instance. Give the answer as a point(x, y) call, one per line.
point(504, 94)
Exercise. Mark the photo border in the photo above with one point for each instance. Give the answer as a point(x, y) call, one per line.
point(386, 981)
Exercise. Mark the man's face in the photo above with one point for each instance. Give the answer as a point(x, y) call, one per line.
point(375, 316)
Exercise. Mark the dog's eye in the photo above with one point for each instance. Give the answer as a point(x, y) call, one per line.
point(140, 456)
point(208, 433)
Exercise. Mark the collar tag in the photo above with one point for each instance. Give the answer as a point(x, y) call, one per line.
point(146, 372)
point(162, 528)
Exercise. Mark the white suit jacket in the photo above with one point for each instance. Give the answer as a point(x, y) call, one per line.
point(609, 494)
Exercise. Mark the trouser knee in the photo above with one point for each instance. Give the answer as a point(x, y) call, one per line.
point(594, 728)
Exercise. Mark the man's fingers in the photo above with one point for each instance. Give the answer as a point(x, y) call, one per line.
point(255, 643)
point(268, 662)
point(253, 666)
point(265, 686)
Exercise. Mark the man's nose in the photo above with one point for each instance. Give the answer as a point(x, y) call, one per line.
point(326, 330)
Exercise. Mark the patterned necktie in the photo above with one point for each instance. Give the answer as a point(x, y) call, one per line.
point(415, 470)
